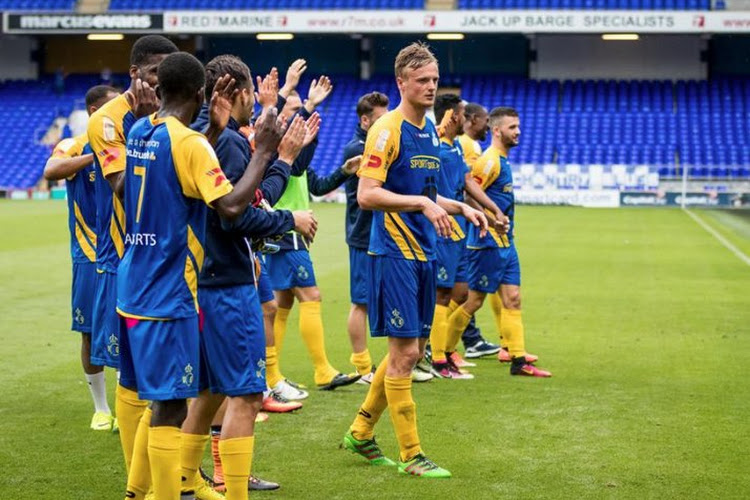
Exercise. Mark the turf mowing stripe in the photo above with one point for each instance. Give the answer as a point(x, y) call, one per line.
point(739, 253)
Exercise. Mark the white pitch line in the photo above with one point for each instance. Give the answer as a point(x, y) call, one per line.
point(739, 253)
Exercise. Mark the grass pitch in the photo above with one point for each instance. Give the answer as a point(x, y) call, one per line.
point(641, 315)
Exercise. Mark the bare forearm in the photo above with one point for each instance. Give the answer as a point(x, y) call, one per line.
point(453, 207)
point(212, 134)
point(377, 198)
point(478, 194)
point(63, 168)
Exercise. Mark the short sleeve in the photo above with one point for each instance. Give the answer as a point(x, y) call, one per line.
point(70, 148)
point(381, 150)
point(107, 141)
point(485, 170)
point(198, 170)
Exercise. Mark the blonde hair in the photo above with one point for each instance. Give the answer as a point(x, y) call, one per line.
point(413, 56)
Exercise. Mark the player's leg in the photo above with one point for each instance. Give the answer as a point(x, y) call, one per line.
point(82, 307)
point(417, 295)
point(284, 304)
point(139, 468)
point(483, 277)
point(237, 443)
point(195, 435)
point(357, 321)
point(511, 323)
point(311, 329)
point(167, 363)
point(106, 339)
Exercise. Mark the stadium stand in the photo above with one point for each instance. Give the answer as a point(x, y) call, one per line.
point(699, 124)
point(31, 107)
point(587, 4)
point(46, 5)
point(264, 4)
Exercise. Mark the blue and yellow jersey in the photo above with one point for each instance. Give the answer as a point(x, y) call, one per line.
point(406, 158)
point(81, 201)
point(492, 171)
point(472, 149)
point(172, 173)
point(452, 181)
point(107, 131)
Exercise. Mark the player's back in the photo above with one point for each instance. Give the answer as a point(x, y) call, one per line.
point(81, 200)
point(472, 150)
point(107, 131)
point(493, 173)
point(169, 170)
point(406, 157)
point(452, 181)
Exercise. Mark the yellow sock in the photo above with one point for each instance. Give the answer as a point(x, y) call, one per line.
point(164, 456)
point(512, 332)
point(497, 312)
point(191, 456)
point(129, 410)
point(139, 475)
point(311, 329)
point(373, 407)
point(362, 361)
point(457, 323)
point(237, 460)
point(439, 333)
point(273, 373)
point(452, 307)
point(403, 415)
point(279, 328)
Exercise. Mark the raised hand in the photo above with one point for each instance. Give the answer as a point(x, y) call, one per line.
point(222, 100)
point(146, 101)
point(293, 75)
point(312, 127)
point(319, 90)
point(269, 130)
point(305, 223)
point(293, 141)
point(268, 89)
point(439, 218)
point(352, 165)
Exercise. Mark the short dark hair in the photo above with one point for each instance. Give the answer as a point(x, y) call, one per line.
point(499, 113)
point(223, 65)
point(368, 102)
point(97, 93)
point(474, 109)
point(443, 103)
point(180, 75)
point(150, 45)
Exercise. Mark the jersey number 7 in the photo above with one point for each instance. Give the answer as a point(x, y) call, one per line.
point(140, 172)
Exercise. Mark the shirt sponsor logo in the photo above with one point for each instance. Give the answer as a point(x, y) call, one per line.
point(374, 161)
point(141, 239)
point(428, 162)
point(382, 140)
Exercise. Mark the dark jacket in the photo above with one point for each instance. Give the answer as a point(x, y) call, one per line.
point(358, 221)
point(228, 261)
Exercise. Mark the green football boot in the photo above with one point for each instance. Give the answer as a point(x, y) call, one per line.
point(368, 449)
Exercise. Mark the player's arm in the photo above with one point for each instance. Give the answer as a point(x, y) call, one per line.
point(108, 144)
point(257, 223)
point(320, 186)
point(268, 137)
point(66, 160)
point(454, 207)
point(477, 194)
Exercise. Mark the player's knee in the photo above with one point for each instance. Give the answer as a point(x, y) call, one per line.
point(461, 298)
point(308, 294)
point(443, 296)
point(270, 308)
point(473, 302)
point(171, 413)
point(512, 299)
